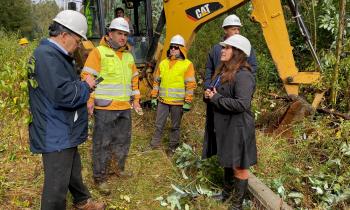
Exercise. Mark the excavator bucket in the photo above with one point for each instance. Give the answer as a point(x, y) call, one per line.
point(297, 111)
point(298, 108)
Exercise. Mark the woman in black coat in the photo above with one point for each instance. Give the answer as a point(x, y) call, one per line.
point(231, 95)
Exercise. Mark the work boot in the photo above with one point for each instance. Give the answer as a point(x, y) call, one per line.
point(89, 204)
point(170, 152)
point(125, 174)
point(103, 188)
point(228, 186)
point(239, 190)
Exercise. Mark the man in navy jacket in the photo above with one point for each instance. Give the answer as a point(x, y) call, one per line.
point(59, 115)
point(231, 25)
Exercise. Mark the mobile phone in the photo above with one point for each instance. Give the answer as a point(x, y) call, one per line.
point(99, 80)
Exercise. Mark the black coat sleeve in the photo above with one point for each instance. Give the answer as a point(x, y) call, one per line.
point(56, 81)
point(243, 89)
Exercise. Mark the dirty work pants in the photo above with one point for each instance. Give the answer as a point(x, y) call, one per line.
point(62, 171)
point(163, 111)
point(111, 136)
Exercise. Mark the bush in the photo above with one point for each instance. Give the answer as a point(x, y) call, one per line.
point(13, 76)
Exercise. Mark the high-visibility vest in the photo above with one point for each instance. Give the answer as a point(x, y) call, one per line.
point(172, 85)
point(117, 75)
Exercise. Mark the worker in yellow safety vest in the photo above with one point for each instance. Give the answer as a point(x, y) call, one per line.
point(174, 83)
point(112, 101)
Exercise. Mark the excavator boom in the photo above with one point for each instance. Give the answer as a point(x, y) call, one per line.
point(185, 17)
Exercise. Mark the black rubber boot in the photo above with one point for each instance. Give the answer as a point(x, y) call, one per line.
point(239, 191)
point(228, 186)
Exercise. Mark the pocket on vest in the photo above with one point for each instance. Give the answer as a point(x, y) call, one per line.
point(102, 102)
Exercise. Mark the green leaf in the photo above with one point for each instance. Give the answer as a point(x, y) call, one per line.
point(184, 174)
point(295, 195)
point(318, 190)
point(177, 189)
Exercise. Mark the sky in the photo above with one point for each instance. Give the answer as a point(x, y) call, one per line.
point(60, 2)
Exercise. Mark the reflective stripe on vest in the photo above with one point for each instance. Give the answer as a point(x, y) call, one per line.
point(172, 86)
point(117, 75)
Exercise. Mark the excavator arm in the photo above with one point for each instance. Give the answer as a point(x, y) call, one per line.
point(186, 17)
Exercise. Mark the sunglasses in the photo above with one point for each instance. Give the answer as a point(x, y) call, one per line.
point(226, 47)
point(174, 47)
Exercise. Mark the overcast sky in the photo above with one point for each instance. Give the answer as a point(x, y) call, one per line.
point(59, 2)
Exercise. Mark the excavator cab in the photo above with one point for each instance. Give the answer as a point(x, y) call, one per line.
point(137, 12)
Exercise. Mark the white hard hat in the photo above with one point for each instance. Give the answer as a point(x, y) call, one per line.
point(120, 24)
point(73, 20)
point(177, 39)
point(232, 20)
point(239, 42)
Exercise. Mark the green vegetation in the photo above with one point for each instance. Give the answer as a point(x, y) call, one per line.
point(309, 169)
point(28, 19)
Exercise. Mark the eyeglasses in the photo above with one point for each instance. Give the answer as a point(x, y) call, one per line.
point(174, 47)
point(78, 40)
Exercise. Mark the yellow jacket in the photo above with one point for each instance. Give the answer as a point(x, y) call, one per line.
point(189, 80)
point(93, 67)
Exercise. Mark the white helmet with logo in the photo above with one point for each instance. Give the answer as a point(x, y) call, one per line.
point(177, 39)
point(232, 20)
point(239, 42)
point(72, 20)
point(120, 24)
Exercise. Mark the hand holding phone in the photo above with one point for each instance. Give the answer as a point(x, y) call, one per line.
point(98, 80)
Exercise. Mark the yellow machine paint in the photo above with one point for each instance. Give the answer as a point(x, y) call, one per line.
point(268, 13)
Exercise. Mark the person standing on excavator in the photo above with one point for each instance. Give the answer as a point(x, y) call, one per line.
point(174, 84)
point(112, 100)
point(231, 26)
point(119, 12)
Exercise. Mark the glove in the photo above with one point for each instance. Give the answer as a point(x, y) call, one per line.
point(186, 107)
point(154, 104)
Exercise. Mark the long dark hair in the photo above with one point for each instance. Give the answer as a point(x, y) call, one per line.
point(228, 69)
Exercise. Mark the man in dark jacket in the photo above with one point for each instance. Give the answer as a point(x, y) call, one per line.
point(58, 106)
point(231, 26)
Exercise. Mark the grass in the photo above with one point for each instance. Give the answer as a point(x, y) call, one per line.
point(281, 162)
point(21, 173)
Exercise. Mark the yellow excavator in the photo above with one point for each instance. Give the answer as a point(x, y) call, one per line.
point(185, 17)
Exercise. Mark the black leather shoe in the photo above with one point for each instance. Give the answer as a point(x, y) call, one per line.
point(221, 197)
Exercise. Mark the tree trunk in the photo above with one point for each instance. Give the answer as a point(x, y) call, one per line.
point(334, 88)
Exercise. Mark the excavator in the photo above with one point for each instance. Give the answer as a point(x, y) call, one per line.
point(185, 17)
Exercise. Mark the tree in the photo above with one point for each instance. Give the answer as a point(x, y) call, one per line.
point(43, 13)
point(16, 16)
point(339, 47)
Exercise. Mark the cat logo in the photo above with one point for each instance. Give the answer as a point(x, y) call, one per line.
point(203, 10)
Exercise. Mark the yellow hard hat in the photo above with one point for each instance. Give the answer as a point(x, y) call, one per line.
point(23, 41)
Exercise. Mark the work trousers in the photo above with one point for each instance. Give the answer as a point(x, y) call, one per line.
point(111, 136)
point(163, 111)
point(62, 171)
